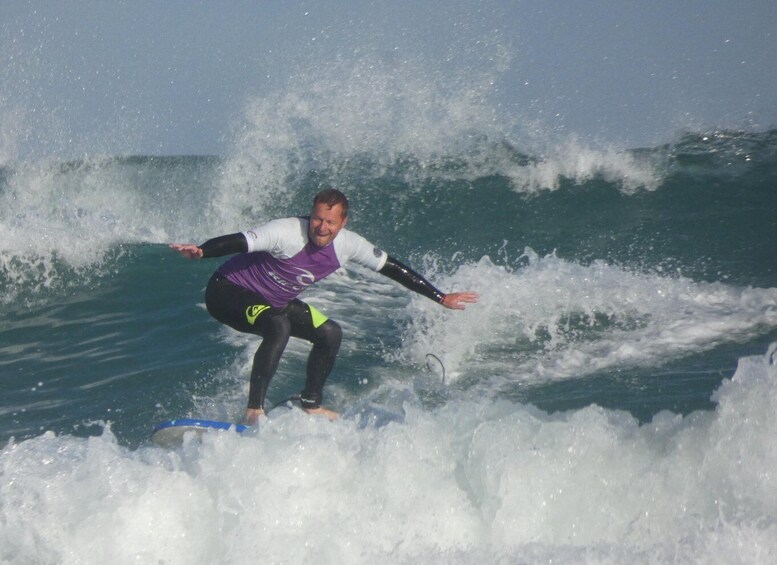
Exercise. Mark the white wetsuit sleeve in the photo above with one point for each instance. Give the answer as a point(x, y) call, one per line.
point(282, 237)
point(351, 246)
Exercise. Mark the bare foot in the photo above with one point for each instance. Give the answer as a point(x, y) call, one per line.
point(252, 415)
point(323, 411)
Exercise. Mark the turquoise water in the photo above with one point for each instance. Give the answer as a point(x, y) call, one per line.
point(588, 403)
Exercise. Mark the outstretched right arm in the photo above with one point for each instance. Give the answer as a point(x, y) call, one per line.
point(216, 247)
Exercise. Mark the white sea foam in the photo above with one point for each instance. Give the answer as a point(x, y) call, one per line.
point(53, 221)
point(59, 218)
point(373, 117)
point(577, 162)
point(553, 319)
point(473, 480)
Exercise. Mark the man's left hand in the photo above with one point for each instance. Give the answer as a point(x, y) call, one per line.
point(457, 300)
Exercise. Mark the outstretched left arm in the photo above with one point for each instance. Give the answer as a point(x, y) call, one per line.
point(407, 277)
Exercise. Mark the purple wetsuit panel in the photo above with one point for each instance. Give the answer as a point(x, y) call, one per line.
point(281, 280)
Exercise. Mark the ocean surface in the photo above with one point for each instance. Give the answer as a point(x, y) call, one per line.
point(612, 398)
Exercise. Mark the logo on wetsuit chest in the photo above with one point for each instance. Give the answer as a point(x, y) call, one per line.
point(304, 279)
point(253, 312)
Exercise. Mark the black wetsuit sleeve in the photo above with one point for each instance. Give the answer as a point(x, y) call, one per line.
point(407, 277)
point(224, 245)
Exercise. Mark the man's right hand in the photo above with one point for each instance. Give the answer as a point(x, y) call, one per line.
point(188, 250)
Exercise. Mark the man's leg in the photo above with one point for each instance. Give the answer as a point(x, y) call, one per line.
point(320, 362)
point(275, 336)
point(325, 335)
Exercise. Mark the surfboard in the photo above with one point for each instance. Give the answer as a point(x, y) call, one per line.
point(171, 433)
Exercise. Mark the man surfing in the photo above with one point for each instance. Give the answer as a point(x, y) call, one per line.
point(256, 290)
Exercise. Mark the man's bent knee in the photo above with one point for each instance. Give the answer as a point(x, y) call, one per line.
point(330, 334)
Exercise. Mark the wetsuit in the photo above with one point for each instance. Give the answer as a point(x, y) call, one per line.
point(256, 292)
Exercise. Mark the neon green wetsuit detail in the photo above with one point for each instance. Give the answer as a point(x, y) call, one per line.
point(317, 317)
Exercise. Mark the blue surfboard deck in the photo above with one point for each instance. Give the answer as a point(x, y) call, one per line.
point(171, 433)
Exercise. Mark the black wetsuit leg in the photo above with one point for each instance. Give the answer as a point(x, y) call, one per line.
point(249, 312)
point(267, 358)
point(326, 339)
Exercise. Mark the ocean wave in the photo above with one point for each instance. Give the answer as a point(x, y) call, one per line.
point(554, 319)
point(57, 215)
point(472, 479)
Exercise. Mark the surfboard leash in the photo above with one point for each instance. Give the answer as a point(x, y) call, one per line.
point(433, 356)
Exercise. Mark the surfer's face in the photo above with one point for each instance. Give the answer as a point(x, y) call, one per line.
point(325, 223)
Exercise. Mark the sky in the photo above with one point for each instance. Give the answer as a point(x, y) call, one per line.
point(176, 77)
